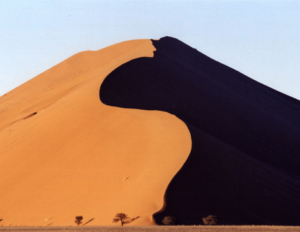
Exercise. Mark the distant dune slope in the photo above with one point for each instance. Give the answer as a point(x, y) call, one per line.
point(244, 165)
point(63, 153)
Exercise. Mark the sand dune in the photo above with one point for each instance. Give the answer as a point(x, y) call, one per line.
point(171, 132)
point(63, 153)
point(244, 166)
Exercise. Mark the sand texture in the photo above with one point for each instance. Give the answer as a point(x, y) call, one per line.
point(63, 153)
point(155, 229)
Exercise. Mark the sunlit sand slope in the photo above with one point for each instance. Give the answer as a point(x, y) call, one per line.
point(63, 153)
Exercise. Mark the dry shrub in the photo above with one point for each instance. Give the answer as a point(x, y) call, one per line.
point(169, 220)
point(211, 220)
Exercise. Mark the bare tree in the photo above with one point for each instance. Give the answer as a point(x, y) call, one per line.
point(123, 218)
point(78, 220)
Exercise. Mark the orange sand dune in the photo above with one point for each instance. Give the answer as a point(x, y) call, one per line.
point(63, 153)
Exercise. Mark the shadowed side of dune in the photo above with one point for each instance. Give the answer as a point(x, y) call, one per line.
point(244, 163)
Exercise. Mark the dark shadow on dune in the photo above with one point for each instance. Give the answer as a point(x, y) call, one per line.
point(30, 115)
point(244, 164)
point(88, 221)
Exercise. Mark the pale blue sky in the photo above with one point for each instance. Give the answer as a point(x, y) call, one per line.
point(258, 38)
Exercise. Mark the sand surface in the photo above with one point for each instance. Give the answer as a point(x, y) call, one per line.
point(63, 153)
point(156, 228)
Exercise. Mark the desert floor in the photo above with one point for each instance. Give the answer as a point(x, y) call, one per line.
point(155, 228)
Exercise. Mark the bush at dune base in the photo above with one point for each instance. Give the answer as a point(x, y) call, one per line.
point(210, 220)
point(169, 220)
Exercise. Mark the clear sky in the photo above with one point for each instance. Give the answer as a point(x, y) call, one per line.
point(260, 38)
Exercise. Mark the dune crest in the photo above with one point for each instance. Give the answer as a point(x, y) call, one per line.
point(63, 153)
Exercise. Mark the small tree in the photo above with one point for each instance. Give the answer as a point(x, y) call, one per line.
point(123, 218)
point(211, 220)
point(78, 220)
